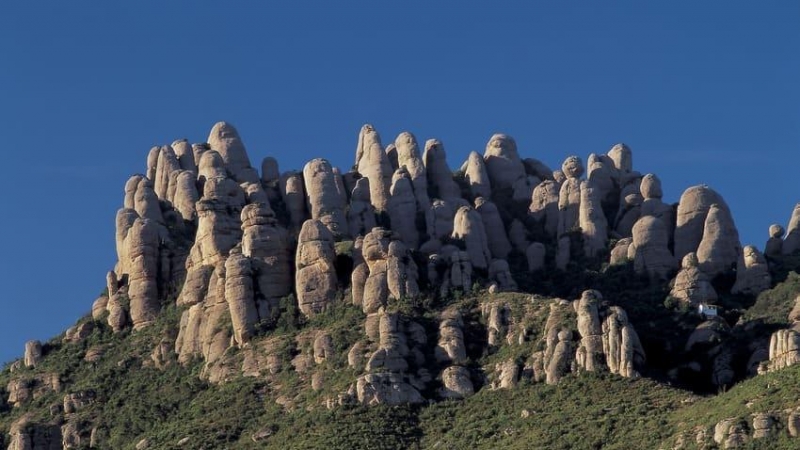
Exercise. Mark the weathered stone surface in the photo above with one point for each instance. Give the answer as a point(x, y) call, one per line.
point(544, 206)
point(693, 209)
point(719, 250)
point(469, 227)
point(569, 200)
point(373, 163)
point(324, 198)
point(408, 156)
point(560, 361)
point(294, 197)
point(386, 389)
point(166, 164)
point(791, 242)
point(456, 383)
point(774, 246)
point(650, 248)
point(621, 344)
point(619, 254)
point(239, 295)
point(752, 273)
point(502, 161)
point(477, 177)
point(403, 208)
point(440, 178)
point(361, 214)
point(186, 195)
point(630, 210)
point(451, 348)
point(225, 140)
point(315, 279)
point(142, 244)
point(590, 352)
point(497, 240)
point(622, 156)
point(500, 274)
point(440, 219)
point(401, 272)
point(691, 284)
point(99, 307)
point(507, 375)
point(267, 246)
point(592, 219)
point(33, 354)
point(784, 348)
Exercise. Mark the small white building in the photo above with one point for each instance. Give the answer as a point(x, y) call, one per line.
point(707, 310)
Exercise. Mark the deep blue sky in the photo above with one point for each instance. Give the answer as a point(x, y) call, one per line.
point(702, 91)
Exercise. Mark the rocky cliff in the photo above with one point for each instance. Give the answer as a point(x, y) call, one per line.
point(402, 283)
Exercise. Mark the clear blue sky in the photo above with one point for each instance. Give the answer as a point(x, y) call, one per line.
point(702, 91)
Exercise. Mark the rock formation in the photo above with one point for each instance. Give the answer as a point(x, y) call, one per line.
point(315, 279)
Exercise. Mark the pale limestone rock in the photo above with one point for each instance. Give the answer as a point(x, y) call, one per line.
point(544, 206)
point(569, 200)
point(477, 177)
point(630, 210)
point(130, 191)
point(693, 209)
point(752, 273)
point(784, 348)
point(78, 332)
point(358, 278)
point(185, 154)
point(324, 198)
point(152, 162)
point(186, 195)
point(361, 214)
point(294, 197)
point(522, 189)
point(386, 389)
point(535, 255)
point(459, 274)
point(559, 177)
point(167, 163)
point(622, 157)
point(315, 279)
point(33, 354)
point(408, 156)
point(142, 244)
point(117, 315)
point(507, 375)
point(497, 240)
point(146, 203)
point(590, 352)
point(560, 361)
point(650, 248)
point(592, 219)
point(500, 273)
point(774, 246)
point(691, 284)
point(719, 250)
point(225, 140)
point(269, 170)
point(441, 214)
point(403, 208)
point(764, 426)
point(450, 347)
point(621, 344)
point(239, 295)
point(99, 307)
point(469, 227)
point(373, 163)
point(456, 383)
point(323, 348)
point(401, 273)
point(375, 251)
point(440, 178)
point(619, 254)
point(502, 161)
point(267, 245)
point(791, 242)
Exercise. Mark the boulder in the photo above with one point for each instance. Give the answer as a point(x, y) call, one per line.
point(408, 157)
point(468, 226)
point(791, 242)
point(691, 285)
point(774, 246)
point(650, 248)
point(403, 208)
point(693, 209)
point(477, 177)
point(33, 354)
point(503, 164)
point(592, 219)
point(361, 214)
point(498, 242)
point(545, 206)
point(225, 140)
point(752, 273)
point(440, 178)
point(293, 194)
point(315, 278)
point(719, 250)
point(324, 198)
point(456, 383)
point(373, 163)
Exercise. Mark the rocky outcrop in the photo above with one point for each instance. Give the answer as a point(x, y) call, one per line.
point(503, 164)
point(544, 207)
point(693, 209)
point(719, 250)
point(468, 226)
point(497, 240)
point(403, 208)
point(361, 214)
point(440, 178)
point(592, 219)
point(315, 278)
point(791, 242)
point(774, 245)
point(691, 285)
point(752, 273)
point(225, 140)
point(324, 197)
point(569, 198)
point(477, 177)
point(373, 164)
point(33, 354)
point(649, 249)
point(408, 157)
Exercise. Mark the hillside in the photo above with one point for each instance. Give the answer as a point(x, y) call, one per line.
point(405, 305)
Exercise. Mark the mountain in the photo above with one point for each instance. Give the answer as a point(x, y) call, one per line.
point(404, 305)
